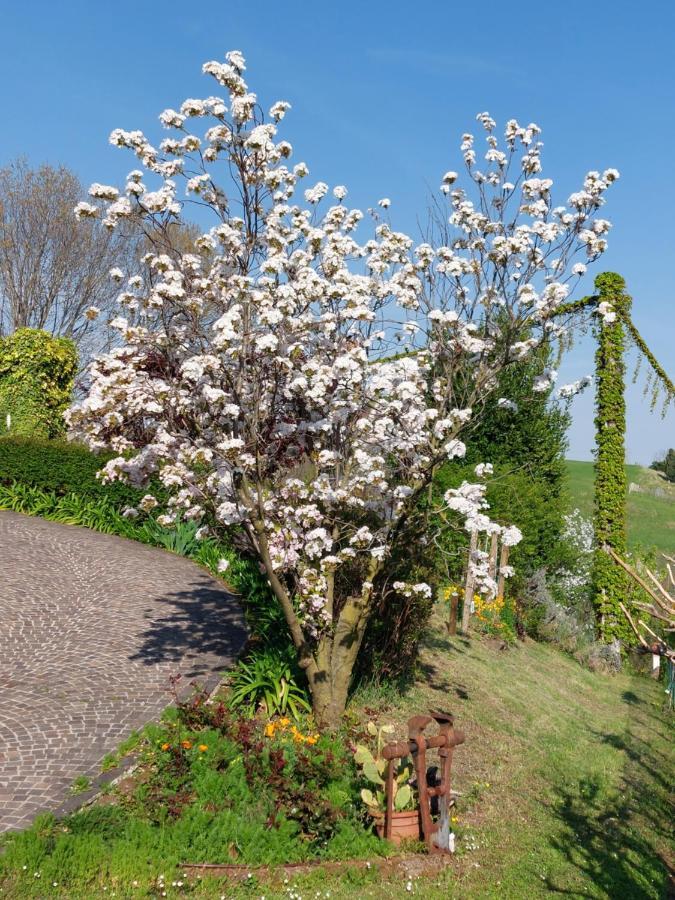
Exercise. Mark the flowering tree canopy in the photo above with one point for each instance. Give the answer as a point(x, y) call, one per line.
point(302, 382)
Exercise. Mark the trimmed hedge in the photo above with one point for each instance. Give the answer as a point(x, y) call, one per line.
point(62, 468)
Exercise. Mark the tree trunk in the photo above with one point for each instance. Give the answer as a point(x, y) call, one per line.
point(335, 658)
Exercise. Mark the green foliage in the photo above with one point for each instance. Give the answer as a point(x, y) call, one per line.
point(666, 465)
point(609, 581)
point(36, 382)
point(181, 538)
point(527, 449)
point(373, 769)
point(63, 468)
point(269, 681)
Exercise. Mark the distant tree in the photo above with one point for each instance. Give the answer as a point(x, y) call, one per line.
point(53, 268)
point(666, 465)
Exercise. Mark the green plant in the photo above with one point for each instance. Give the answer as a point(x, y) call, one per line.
point(269, 681)
point(611, 488)
point(373, 768)
point(36, 382)
point(181, 538)
point(80, 785)
point(64, 468)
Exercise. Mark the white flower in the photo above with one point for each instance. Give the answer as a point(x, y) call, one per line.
point(279, 110)
point(103, 192)
point(317, 193)
point(511, 536)
point(86, 211)
point(223, 565)
point(385, 203)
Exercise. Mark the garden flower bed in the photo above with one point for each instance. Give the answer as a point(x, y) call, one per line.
point(210, 786)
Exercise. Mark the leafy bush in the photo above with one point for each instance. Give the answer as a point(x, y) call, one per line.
point(36, 381)
point(63, 468)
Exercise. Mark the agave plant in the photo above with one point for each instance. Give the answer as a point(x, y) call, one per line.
point(268, 681)
point(373, 768)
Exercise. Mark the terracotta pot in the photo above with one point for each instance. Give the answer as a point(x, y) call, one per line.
point(404, 826)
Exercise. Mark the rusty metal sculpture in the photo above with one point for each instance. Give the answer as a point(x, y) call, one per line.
point(437, 834)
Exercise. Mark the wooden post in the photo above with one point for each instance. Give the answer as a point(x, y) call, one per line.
point(493, 555)
point(503, 561)
point(468, 586)
point(452, 621)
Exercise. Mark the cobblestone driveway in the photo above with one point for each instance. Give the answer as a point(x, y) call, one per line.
point(91, 629)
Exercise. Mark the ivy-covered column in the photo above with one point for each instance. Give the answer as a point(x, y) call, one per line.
point(609, 582)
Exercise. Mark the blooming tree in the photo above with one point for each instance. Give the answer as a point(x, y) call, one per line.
point(302, 383)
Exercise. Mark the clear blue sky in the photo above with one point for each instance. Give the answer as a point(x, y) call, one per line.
point(381, 93)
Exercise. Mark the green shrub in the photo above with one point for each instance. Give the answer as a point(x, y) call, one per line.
point(63, 468)
point(36, 382)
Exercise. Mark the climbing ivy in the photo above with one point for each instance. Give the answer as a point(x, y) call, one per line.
point(610, 474)
point(37, 372)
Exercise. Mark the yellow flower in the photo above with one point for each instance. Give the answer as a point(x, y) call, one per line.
point(165, 746)
point(285, 722)
point(269, 729)
point(312, 739)
point(203, 748)
point(186, 745)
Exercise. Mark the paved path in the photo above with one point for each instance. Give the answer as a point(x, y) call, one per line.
point(91, 629)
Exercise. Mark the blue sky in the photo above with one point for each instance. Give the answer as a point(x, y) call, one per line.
point(381, 93)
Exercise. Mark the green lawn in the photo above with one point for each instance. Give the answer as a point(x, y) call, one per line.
point(651, 518)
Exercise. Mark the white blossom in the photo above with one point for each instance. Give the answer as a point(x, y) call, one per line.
point(295, 375)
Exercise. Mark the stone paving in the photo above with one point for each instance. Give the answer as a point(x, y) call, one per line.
point(92, 628)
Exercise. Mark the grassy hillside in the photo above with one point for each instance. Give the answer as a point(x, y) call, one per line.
point(564, 781)
point(651, 518)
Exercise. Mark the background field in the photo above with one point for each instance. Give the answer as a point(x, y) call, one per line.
point(651, 517)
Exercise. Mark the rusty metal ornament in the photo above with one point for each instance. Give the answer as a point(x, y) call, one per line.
point(437, 834)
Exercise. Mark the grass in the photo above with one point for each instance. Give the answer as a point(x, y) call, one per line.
point(565, 782)
point(651, 518)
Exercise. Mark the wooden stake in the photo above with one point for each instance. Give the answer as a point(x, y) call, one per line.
point(468, 586)
point(493, 555)
point(503, 561)
point(452, 621)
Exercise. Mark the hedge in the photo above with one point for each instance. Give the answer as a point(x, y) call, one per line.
point(63, 468)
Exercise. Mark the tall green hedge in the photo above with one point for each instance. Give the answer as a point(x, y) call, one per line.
point(37, 372)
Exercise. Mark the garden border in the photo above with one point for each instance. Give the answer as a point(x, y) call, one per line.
point(413, 865)
point(127, 764)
